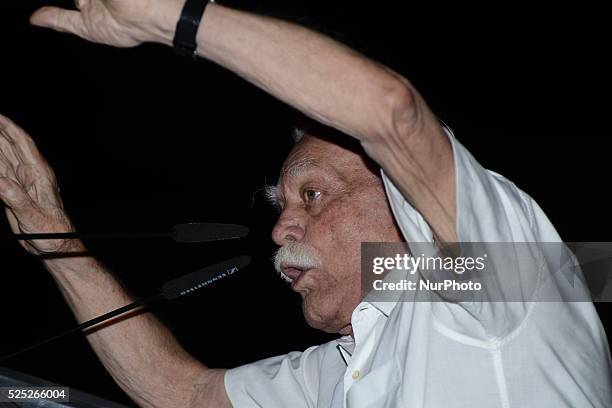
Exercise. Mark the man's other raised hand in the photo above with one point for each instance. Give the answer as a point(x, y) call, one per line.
point(29, 191)
point(120, 23)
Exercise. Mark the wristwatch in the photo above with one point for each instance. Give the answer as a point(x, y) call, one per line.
point(187, 26)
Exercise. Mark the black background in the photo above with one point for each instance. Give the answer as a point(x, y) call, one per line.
point(141, 140)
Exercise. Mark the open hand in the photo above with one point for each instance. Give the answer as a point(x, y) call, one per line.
point(29, 190)
point(120, 23)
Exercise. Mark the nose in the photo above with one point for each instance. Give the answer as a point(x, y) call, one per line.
point(290, 226)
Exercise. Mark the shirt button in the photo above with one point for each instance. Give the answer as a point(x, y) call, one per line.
point(356, 374)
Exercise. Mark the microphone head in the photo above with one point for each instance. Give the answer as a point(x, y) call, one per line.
point(187, 284)
point(205, 232)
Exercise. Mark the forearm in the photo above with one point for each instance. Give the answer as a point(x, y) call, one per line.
point(315, 74)
point(338, 87)
point(139, 352)
point(311, 72)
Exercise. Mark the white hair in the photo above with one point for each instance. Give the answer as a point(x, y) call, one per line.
point(295, 254)
point(271, 193)
point(293, 170)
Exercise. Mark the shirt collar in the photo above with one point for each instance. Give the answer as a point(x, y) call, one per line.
point(384, 307)
point(385, 302)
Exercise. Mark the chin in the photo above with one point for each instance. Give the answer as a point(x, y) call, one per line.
point(323, 317)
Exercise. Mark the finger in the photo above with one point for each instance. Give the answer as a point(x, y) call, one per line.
point(4, 121)
point(29, 168)
point(7, 151)
point(8, 159)
point(6, 169)
point(14, 197)
point(13, 222)
point(68, 21)
point(24, 147)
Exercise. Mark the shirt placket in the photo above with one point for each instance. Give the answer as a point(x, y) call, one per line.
point(363, 323)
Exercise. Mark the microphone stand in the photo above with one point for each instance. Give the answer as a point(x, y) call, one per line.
point(87, 324)
point(85, 235)
point(180, 233)
point(173, 289)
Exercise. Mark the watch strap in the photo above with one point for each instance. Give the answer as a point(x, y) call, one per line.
point(187, 27)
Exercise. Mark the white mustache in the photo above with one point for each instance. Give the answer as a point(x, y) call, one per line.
point(296, 254)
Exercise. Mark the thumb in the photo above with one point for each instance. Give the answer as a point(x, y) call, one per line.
point(14, 197)
point(68, 21)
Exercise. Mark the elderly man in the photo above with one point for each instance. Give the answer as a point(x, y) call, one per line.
point(332, 198)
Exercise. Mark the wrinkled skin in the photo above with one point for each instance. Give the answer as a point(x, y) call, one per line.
point(331, 204)
point(29, 191)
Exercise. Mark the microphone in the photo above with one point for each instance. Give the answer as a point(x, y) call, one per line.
point(186, 284)
point(173, 289)
point(180, 233)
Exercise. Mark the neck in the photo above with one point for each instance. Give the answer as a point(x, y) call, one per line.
point(347, 330)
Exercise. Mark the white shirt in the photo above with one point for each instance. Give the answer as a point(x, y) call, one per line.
point(445, 354)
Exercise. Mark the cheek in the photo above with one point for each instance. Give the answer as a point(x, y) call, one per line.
point(336, 225)
point(376, 221)
point(338, 236)
point(360, 219)
point(338, 231)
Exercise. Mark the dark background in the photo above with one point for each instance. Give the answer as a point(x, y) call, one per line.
point(141, 140)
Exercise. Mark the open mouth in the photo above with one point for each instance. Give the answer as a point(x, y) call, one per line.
point(294, 272)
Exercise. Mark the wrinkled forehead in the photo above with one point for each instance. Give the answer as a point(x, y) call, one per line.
point(315, 153)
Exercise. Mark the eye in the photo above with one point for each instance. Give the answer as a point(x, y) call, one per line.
point(310, 195)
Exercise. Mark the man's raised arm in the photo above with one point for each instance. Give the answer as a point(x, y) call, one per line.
point(315, 74)
point(139, 352)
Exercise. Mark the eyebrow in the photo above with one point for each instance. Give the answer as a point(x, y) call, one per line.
point(293, 170)
point(297, 168)
point(271, 193)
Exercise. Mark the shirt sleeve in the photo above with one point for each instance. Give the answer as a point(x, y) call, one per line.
point(490, 208)
point(502, 219)
point(290, 380)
